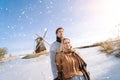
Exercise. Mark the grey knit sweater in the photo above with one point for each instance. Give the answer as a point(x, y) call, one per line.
point(54, 48)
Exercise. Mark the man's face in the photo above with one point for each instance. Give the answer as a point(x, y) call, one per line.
point(60, 33)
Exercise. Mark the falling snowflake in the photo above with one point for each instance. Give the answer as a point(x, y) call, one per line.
point(51, 7)
point(3, 38)
point(68, 0)
point(40, 1)
point(19, 16)
point(26, 16)
point(23, 12)
point(30, 22)
point(47, 7)
point(12, 27)
point(1, 8)
point(71, 20)
point(51, 2)
point(8, 26)
point(21, 28)
point(6, 9)
point(49, 11)
point(40, 12)
point(24, 35)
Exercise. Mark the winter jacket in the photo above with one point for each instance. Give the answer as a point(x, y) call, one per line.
point(70, 64)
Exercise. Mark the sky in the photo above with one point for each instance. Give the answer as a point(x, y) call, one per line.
point(85, 22)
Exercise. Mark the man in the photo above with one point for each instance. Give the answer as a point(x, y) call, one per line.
point(54, 48)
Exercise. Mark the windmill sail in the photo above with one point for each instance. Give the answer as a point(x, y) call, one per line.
point(40, 42)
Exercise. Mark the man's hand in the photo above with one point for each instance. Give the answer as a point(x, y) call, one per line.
point(56, 78)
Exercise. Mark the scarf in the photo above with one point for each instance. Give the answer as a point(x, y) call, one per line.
point(82, 66)
point(58, 39)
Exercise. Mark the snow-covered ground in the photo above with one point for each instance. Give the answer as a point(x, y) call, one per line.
point(101, 67)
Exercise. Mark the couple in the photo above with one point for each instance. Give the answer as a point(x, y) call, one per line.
point(66, 63)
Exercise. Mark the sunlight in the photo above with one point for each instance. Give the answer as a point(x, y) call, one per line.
point(112, 11)
point(101, 18)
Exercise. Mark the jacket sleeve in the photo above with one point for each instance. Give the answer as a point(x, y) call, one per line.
point(58, 61)
point(52, 60)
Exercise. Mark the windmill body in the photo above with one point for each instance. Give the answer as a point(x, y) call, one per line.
point(40, 48)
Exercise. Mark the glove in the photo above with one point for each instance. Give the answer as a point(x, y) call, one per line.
point(60, 75)
point(56, 78)
point(88, 73)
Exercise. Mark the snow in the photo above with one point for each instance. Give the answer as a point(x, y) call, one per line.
point(40, 1)
point(100, 66)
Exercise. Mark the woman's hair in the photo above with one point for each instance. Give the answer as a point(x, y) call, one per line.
point(62, 44)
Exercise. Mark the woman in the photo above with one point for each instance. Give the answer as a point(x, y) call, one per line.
point(69, 64)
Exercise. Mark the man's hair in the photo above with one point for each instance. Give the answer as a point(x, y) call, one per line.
point(58, 29)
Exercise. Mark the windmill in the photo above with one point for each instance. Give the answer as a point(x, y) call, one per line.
point(40, 46)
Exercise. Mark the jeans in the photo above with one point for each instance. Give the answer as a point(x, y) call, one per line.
point(78, 78)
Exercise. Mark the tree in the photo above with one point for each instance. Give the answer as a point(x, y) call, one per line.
point(3, 51)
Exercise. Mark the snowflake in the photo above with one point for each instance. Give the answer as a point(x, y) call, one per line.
point(21, 28)
point(30, 22)
point(3, 38)
point(23, 12)
point(47, 7)
point(19, 16)
point(51, 2)
point(51, 6)
point(26, 16)
point(68, 0)
point(40, 12)
point(49, 11)
point(12, 27)
point(8, 26)
point(71, 20)
point(6, 9)
point(40, 1)
point(24, 35)
point(1, 8)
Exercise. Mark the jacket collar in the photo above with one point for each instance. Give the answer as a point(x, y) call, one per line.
point(58, 39)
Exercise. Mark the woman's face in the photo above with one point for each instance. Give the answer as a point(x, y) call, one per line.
point(67, 44)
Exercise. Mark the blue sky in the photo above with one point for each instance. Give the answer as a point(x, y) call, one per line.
point(84, 21)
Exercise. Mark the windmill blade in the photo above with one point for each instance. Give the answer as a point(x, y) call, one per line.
point(37, 35)
point(47, 42)
point(45, 31)
point(38, 46)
